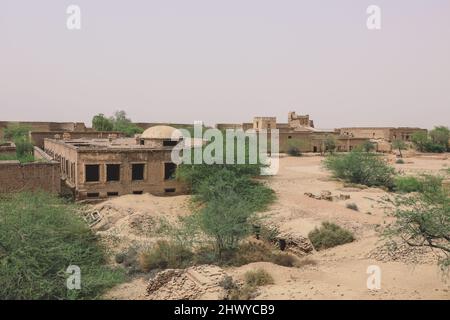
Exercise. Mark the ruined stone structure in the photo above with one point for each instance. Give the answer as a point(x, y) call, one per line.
point(264, 123)
point(38, 137)
point(97, 165)
point(101, 168)
point(301, 128)
point(43, 174)
point(295, 121)
point(384, 133)
point(44, 126)
point(7, 149)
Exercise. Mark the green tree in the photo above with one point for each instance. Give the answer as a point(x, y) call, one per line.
point(101, 123)
point(227, 219)
point(368, 146)
point(440, 135)
point(361, 167)
point(423, 218)
point(420, 140)
point(40, 237)
point(399, 145)
point(123, 124)
point(19, 134)
point(295, 146)
point(330, 143)
point(15, 131)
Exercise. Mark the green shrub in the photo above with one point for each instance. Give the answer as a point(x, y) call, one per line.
point(400, 161)
point(40, 237)
point(15, 131)
point(329, 235)
point(361, 167)
point(294, 147)
point(284, 259)
point(228, 283)
point(293, 151)
point(22, 159)
point(165, 255)
point(253, 279)
point(242, 293)
point(129, 259)
point(406, 184)
point(422, 219)
point(434, 147)
point(258, 278)
point(246, 253)
point(352, 206)
point(368, 146)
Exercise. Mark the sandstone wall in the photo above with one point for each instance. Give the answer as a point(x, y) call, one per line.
point(45, 126)
point(37, 137)
point(40, 175)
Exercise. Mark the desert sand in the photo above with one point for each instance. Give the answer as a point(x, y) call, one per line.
point(338, 273)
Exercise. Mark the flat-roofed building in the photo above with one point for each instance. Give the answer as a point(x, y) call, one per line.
point(101, 168)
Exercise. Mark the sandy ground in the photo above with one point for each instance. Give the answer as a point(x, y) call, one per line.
point(340, 272)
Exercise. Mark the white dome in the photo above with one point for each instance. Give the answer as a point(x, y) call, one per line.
point(161, 132)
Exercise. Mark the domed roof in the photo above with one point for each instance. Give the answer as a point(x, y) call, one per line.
point(161, 132)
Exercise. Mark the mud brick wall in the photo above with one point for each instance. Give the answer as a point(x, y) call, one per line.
point(40, 175)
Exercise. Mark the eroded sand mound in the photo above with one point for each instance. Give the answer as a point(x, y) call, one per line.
point(199, 282)
point(135, 218)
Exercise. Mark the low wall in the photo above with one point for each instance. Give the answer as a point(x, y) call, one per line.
point(37, 137)
point(8, 149)
point(43, 174)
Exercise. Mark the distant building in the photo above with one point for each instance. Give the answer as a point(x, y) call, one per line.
point(301, 127)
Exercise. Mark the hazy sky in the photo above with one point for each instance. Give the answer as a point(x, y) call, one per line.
point(227, 61)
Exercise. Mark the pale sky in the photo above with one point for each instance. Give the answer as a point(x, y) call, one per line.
point(227, 61)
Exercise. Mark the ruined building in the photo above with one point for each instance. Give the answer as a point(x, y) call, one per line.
point(301, 128)
point(100, 168)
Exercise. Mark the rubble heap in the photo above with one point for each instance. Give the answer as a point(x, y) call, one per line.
point(198, 282)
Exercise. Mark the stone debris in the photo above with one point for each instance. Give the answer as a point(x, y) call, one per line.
point(327, 195)
point(402, 252)
point(295, 243)
point(198, 282)
point(92, 218)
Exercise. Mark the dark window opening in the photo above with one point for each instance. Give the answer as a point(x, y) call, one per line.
point(169, 190)
point(169, 170)
point(282, 244)
point(142, 142)
point(169, 143)
point(138, 192)
point(93, 194)
point(314, 149)
point(112, 194)
point(137, 171)
point(92, 172)
point(289, 137)
point(112, 172)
